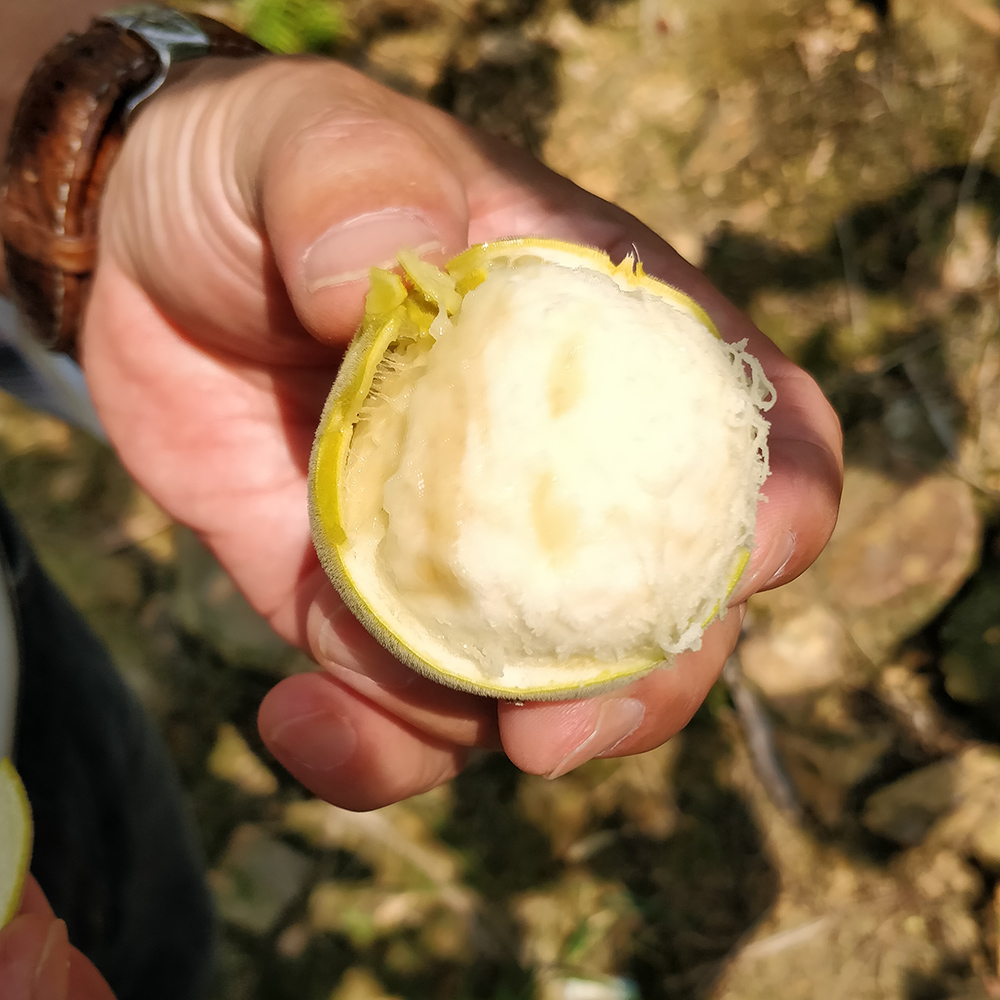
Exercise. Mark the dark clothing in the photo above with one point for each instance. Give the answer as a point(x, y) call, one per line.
point(113, 850)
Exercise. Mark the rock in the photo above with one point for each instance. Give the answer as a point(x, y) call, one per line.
point(363, 913)
point(729, 137)
point(802, 653)
point(841, 928)
point(257, 878)
point(953, 804)
point(574, 812)
point(27, 432)
point(899, 554)
point(970, 636)
point(906, 810)
point(144, 525)
point(581, 923)
point(968, 318)
point(555, 987)
point(207, 604)
point(435, 920)
point(946, 33)
point(233, 761)
point(972, 352)
point(883, 946)
point(359, 984)
point(941, 875)
point(824, 767)
point(906, 691)
point(396, 841)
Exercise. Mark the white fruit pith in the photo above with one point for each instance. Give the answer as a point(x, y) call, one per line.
point(537, 474)
point(15, 839)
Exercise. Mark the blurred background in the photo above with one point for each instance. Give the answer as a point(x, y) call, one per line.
point(829, 824)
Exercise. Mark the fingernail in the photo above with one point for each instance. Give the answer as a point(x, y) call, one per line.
point(617, 719)
point(349, 251)
point(785, 553)
point(316, 741)
point(337, 651)
point(781, 551)
point(51, 980)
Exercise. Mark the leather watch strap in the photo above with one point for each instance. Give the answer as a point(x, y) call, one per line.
point(66, 132)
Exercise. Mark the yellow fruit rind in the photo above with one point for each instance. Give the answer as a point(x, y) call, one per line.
point(404, 307)
point(16, 829)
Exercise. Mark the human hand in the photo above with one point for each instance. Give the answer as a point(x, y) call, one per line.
point(37, 960)
point(239, 224)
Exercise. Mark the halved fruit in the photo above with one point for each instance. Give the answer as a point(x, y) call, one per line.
point(537, 473)
point(15, 840)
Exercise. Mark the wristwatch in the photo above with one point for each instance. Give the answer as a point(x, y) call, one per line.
point(67, 129)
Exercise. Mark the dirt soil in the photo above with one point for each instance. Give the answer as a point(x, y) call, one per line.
point(829, 825)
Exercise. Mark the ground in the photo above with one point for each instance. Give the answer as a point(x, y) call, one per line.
point(829, 824)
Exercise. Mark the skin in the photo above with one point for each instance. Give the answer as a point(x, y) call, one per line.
point(210, 369)
point(209, 347)
point(37, 961)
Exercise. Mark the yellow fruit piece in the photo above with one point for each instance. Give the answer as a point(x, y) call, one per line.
point(537, 473)
point(15, 840)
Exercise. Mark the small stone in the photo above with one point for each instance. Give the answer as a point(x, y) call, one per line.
point(864, 62)
point(907, 693)
point(581, 922)
point(826, 766)
point(206, 603)
point(359, 984)
point(574, 988)
point(233, 761)
point(257, 878)
point(731, 136)
point(800, 654)
point(969, 632)
point(953, 804)
point(363, 912)
point(24, 431)
point(293, 940)
point(941, 874)
point(906, 810)
point(899, 554)
point(574, 811)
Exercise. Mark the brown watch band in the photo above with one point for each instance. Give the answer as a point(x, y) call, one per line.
point(66, 132)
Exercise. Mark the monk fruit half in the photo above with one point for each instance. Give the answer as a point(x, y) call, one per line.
point(537, 473)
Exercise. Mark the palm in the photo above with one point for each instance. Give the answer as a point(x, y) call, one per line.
point(216, 420)
point(222, 443)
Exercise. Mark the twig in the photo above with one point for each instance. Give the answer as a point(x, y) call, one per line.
point(759, 735)
point(781, 941)
point(980, 150)
point(935, 409)
point(857, 307)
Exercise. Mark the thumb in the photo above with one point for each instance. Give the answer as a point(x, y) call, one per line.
point(345, 184)
point(251, 200)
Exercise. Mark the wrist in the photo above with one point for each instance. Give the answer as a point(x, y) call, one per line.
point(30, 30)
point(65, 135)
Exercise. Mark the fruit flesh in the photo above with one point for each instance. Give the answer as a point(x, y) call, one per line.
point(552, 488)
